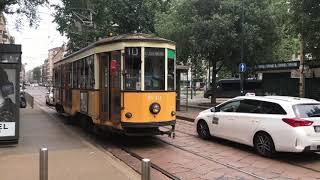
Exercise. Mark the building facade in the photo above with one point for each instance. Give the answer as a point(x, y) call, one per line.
point(5, 37)
point(54, 55)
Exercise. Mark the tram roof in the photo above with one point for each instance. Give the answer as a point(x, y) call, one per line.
point(123, 38)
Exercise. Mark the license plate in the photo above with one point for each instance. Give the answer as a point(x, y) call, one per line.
point(317, 129)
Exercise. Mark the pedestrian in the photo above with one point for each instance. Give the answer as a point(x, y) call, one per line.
point(7, 107)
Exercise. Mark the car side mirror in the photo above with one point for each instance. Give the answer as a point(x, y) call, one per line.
point(213, 109)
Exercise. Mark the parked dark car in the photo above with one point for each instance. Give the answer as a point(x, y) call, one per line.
point(229, 88)
point(23, 102)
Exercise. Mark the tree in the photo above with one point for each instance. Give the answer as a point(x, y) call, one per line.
point(36, 74)
point(305, 20)
point(109, 17)
point(27, 8)
point(211, 30)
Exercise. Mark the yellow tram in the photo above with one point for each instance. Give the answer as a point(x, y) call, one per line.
point(124, 83)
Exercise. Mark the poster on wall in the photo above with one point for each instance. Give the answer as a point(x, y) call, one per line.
point(7, 102)
point(84, 102)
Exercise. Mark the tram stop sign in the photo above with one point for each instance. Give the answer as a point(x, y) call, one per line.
point(242, 67)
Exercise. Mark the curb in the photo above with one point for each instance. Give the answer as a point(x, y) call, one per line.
point(196, 107)
point(185, 118)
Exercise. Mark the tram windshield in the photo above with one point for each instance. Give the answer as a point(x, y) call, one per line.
point(154, 74)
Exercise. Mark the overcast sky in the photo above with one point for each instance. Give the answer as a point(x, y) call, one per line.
point(36, 41)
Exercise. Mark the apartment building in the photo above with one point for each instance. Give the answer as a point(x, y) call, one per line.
point(5, 37)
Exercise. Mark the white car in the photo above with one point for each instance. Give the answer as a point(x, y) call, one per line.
point(267, 123)
point(49, 97)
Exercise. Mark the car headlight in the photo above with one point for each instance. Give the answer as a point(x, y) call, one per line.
point(155, 108)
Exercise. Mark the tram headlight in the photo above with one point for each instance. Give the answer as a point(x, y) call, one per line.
point(128, 115)
point(173, 113)
point(155, 108)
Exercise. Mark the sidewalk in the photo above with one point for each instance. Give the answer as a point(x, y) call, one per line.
point(70, 157)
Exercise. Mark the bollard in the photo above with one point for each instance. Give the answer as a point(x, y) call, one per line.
point(145, 169)
point(43, 170)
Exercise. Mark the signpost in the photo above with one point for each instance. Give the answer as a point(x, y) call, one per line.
point(242, 70)
point(242, 67)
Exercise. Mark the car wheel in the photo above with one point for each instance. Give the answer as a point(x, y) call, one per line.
point(264, 145)
point(203, 130)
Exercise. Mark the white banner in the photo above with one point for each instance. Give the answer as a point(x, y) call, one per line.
point(7, 129)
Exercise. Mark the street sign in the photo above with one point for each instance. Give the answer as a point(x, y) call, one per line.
point(242, 67)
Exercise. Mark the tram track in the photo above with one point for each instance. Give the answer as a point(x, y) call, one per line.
point(99, 143)
point(172, 176)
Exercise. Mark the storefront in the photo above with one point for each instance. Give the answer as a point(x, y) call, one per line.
point(10, 64)
point(283, 78)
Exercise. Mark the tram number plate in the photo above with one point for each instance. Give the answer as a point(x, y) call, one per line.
point(317, 129)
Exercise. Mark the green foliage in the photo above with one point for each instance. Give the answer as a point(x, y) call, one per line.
point(109, 17)
point(37, 74)
point(25, 8)
point(211, 29)
point(305, 19)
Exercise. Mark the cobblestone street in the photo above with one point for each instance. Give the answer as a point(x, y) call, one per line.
point(189, 157)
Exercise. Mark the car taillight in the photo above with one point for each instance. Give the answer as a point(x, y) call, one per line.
point(296, 122)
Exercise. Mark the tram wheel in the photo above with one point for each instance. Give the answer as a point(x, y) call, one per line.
point(86, 123)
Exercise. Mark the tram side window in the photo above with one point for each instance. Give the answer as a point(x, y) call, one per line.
point(82, 74)
point(75, 75)
point(69, 74)
point(89, 72)
point(61, 74)
point(79, 73)
point(154, 69)
point(55, 77)
point(171, 73)
point(132, 68)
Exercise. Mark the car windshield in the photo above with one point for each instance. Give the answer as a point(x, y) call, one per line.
point(307, 110)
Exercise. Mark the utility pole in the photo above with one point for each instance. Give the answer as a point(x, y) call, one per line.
point(301, 68)
point(242, 48)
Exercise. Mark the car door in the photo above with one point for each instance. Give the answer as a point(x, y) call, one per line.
point(221, 122)
point(246, 121)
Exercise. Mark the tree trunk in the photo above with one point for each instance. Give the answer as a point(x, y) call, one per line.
point(213, 82)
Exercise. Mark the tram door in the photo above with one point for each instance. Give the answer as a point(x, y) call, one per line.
point(104, 85)
point(110, 86)
point(115, 88)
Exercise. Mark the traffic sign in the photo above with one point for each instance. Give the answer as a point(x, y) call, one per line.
point(242, 67)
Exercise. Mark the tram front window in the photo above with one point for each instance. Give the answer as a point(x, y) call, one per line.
point(133, 68)
point(154, 75)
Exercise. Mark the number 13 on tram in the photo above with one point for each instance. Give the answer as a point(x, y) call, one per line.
point(124, 83)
